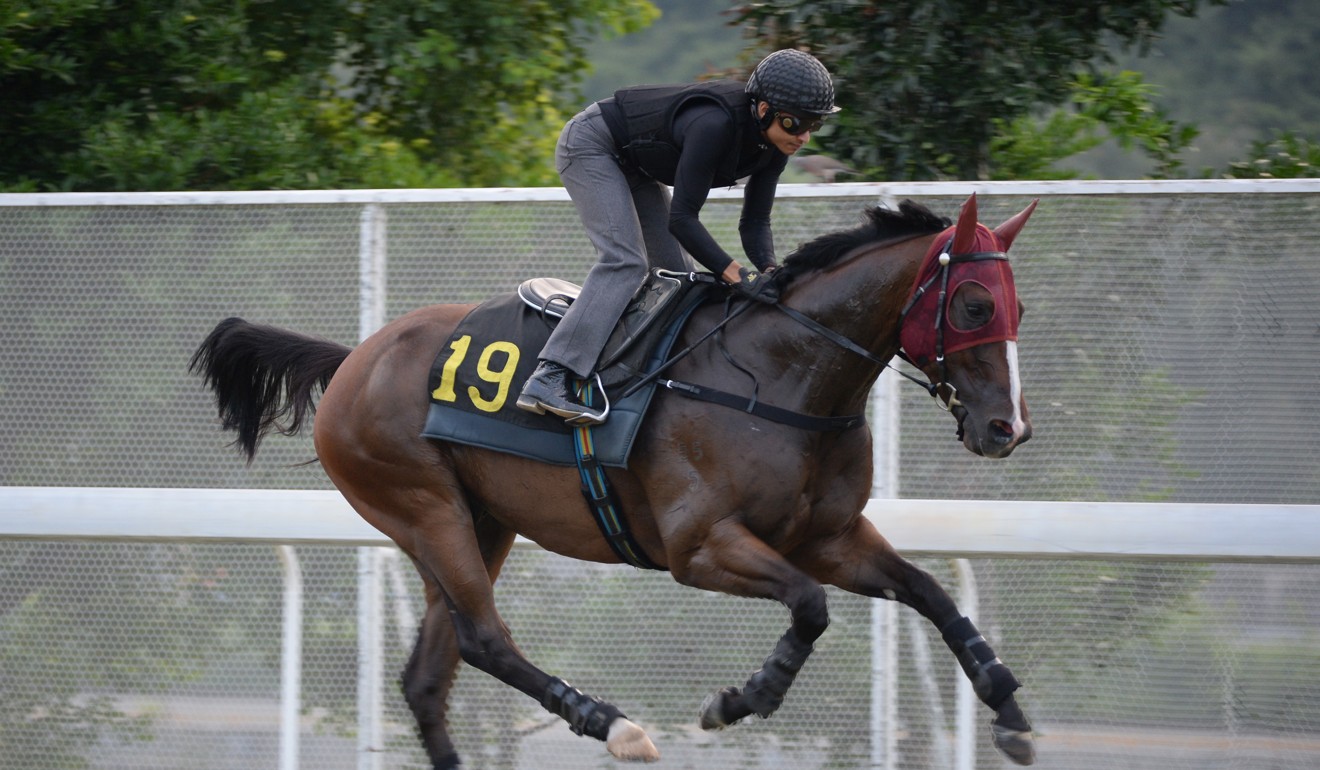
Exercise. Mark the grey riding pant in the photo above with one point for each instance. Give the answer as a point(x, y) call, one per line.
point(626, 216)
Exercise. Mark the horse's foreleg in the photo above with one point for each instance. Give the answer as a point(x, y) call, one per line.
point(733, 561)
point(863, 562)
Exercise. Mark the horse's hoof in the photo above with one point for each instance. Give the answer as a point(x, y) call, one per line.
point(1017, 745)
point(715, 712)
point(628, 741)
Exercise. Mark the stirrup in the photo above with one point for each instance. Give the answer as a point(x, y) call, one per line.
point(584, 395)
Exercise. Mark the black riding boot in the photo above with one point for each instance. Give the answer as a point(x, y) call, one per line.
point(550, 389)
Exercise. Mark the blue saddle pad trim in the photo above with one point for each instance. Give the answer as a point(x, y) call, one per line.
point(614, 439)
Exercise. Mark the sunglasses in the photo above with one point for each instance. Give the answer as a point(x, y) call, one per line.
point(794, 125)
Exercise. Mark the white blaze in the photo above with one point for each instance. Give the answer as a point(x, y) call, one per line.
point(1015, 388)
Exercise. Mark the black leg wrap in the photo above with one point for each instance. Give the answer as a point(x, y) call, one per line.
point(766, 688)
point(991, 679)
point(585, 715)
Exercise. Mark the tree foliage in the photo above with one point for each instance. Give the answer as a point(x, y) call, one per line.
point(1119, 106)
point(927, 85)
point(1286, 156)
point(254, 94)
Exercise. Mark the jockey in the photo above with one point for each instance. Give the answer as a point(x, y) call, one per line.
point(617, 159)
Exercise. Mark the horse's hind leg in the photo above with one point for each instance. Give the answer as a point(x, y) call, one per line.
point(428, 677)
point(434, 525)
point(863, 562)
point(429, 674)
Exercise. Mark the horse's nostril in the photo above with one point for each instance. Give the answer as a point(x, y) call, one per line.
point(1001, 431)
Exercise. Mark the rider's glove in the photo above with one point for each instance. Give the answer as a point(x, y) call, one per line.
point(757, 286)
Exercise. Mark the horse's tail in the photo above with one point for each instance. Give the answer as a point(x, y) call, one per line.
point(264, 377)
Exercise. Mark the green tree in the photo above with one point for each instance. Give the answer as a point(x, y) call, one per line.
point(218, 94)
point(1241, 72)
point(1119, 106)
point(926, 86)
point(1286, 156)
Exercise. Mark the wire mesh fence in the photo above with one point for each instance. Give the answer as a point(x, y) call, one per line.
point(1169, 349)
point(145, 656)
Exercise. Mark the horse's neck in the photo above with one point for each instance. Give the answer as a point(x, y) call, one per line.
point(861, 299)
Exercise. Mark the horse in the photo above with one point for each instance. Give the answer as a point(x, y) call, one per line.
point(725, 499)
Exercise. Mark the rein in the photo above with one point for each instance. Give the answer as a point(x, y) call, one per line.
point(945, 393)
point(849, 345)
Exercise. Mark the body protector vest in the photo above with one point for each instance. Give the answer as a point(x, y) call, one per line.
point(641, 119)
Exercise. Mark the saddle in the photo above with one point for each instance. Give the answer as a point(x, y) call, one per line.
point(649, 312)
point(479, 371)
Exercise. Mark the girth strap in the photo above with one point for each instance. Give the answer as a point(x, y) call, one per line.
point(601, 499)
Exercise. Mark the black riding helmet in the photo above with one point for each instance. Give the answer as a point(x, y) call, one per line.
point(793, 81)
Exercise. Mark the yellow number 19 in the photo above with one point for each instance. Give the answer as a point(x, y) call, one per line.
point(501, 377)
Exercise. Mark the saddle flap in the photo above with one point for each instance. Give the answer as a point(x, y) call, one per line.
point(654, 301)
point(551, 296)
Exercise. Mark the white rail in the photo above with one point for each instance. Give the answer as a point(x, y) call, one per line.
point(963, 528)
point(956, 528)
point(525, 194)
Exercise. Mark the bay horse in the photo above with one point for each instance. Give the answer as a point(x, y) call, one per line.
point(723, 499)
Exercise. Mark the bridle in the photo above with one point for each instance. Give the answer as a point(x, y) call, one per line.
point(943, 391)
point(946, 392)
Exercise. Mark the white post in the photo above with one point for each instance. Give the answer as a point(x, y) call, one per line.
point(884, 614)
point(965, 698)
point(290, 659)
point(371, 270)
point(370, 668)
point(371, 316)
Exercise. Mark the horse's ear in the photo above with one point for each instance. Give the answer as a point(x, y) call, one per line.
point(964, 235)
point(1009, 230)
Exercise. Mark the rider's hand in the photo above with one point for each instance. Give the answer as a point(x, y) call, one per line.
point(757, 286)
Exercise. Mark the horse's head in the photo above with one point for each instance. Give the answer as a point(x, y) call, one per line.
point(960, 327)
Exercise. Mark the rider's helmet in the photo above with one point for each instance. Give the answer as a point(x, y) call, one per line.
point(793, 81)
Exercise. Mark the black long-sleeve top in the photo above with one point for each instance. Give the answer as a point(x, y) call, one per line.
point(705, 136)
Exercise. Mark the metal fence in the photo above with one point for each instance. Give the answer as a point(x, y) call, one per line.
point(1169, 349)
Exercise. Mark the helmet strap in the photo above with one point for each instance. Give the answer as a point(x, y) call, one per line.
point(762, 121)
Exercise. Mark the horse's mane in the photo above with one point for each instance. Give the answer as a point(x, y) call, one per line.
point(882, 224)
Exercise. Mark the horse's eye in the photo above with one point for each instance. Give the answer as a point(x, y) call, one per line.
point(972, 315)
point(973, 306)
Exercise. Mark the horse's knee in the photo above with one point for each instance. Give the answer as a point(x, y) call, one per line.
point(811, 614)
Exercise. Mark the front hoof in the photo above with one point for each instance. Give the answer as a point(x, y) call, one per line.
point(721, 709)
point(628, 741)
point(1018, 745)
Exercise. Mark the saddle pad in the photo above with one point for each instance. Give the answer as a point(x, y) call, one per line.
point(477, 375)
